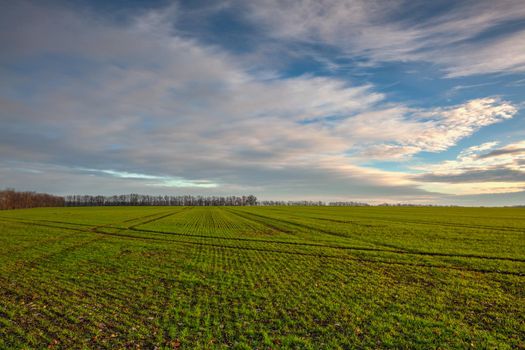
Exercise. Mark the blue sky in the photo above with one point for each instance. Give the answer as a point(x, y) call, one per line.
point(377, 101)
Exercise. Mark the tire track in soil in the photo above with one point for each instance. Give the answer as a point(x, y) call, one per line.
point(397, 249)
point(122, 233)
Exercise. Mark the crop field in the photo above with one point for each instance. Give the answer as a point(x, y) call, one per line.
point(262, 278)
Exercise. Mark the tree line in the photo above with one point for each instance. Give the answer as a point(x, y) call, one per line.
point(292, 203)
point(140, 199)
point(11, 199)
point(306, 203)
point(348, 204)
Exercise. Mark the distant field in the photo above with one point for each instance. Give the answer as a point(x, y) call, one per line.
point(262, 278)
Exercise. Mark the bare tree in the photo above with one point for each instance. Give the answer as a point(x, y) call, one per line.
point(138, 199)
point(11, 199)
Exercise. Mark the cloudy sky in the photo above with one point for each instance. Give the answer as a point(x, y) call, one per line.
point(397, 101)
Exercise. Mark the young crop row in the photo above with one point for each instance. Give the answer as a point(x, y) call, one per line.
point(268, 278)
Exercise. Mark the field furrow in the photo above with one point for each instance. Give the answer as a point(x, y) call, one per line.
point(257, 277)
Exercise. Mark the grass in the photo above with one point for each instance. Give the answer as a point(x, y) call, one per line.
point(262, 278)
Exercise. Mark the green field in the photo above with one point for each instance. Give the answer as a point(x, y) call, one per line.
point(262, 278)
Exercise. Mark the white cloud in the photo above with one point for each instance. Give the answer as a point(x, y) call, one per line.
point(404, 31)
point(154, 109)
point(159, 181)
point(474, 151)
point(398, 133)
point(478, 169)
point(162, 105)
point(492, 56)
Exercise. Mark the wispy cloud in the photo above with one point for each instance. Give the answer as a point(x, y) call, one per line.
point(479, 169)
point(398, 133)
point(137, 105)
point(376, 30)
point(158, 181)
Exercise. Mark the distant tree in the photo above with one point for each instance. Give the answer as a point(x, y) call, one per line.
point(11, 199)
point(138, 199)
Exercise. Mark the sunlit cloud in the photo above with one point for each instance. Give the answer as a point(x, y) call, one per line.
point(82, 97)
point(160, 181)
point(399, 133)
point(478, 169)
point(374, 31)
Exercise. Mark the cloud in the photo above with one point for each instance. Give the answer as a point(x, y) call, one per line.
point(514, 149)
point(489, 56)
point(478, 176)
point(475, 170)
point(398, 133)
point(146, 109)
point(188, 111)
point(463, 37)
point(64, 180)
point(158, 181)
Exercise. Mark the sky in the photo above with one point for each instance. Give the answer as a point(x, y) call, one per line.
point(338, 100)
